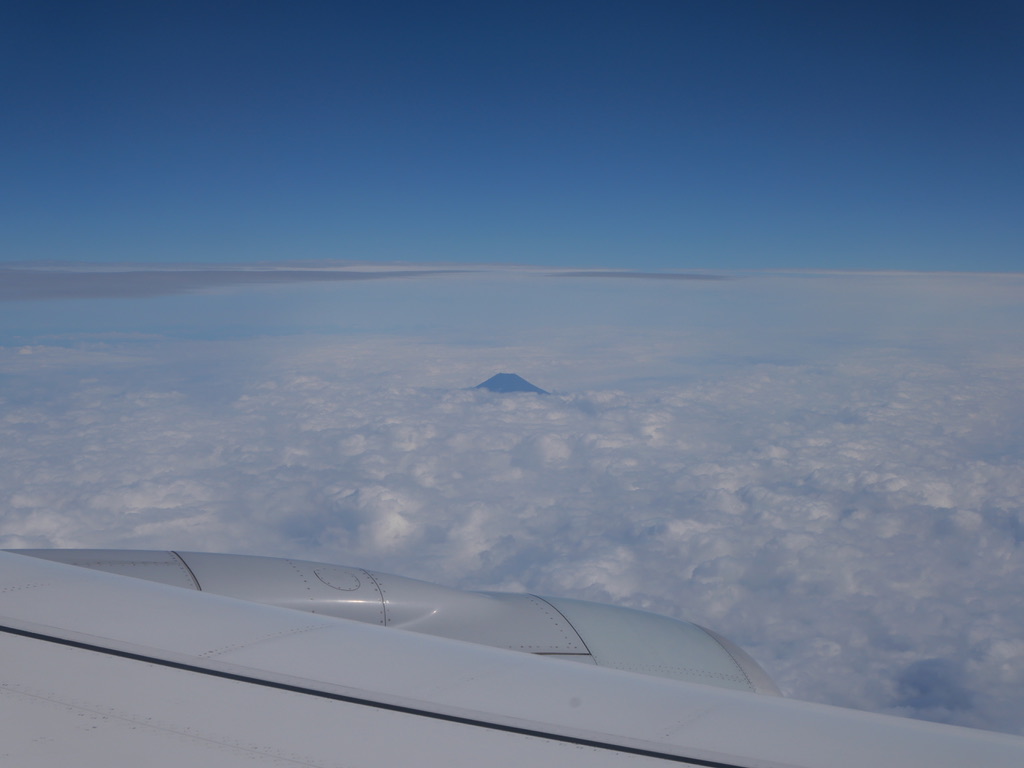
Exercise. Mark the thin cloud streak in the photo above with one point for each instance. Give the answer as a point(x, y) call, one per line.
point(34, 285)
point(626, 274)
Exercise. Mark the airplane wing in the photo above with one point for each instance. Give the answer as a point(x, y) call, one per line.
point(100, 669)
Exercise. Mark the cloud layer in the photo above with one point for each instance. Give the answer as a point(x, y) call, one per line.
point(844, 503)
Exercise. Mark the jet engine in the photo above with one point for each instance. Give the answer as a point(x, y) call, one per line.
point(573, 630)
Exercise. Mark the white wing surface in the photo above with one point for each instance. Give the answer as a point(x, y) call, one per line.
point(98, 669)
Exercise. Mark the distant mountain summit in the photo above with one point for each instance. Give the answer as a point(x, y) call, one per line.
point(509, 382)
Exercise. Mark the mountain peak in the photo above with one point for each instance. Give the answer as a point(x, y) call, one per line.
point(509, 382)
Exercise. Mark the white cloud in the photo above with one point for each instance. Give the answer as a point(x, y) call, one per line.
point(849, 512)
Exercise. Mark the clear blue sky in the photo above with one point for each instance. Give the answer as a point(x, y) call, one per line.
point(655, 135)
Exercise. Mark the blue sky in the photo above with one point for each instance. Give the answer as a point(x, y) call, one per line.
point(658, 135)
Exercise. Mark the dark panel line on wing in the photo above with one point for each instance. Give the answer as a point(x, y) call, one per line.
point(359, 701)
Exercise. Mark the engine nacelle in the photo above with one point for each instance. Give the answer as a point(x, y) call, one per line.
point(574, 630)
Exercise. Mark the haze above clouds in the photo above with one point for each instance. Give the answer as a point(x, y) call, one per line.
point(826, 468)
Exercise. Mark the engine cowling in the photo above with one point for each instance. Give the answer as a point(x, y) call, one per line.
point(574, 630)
